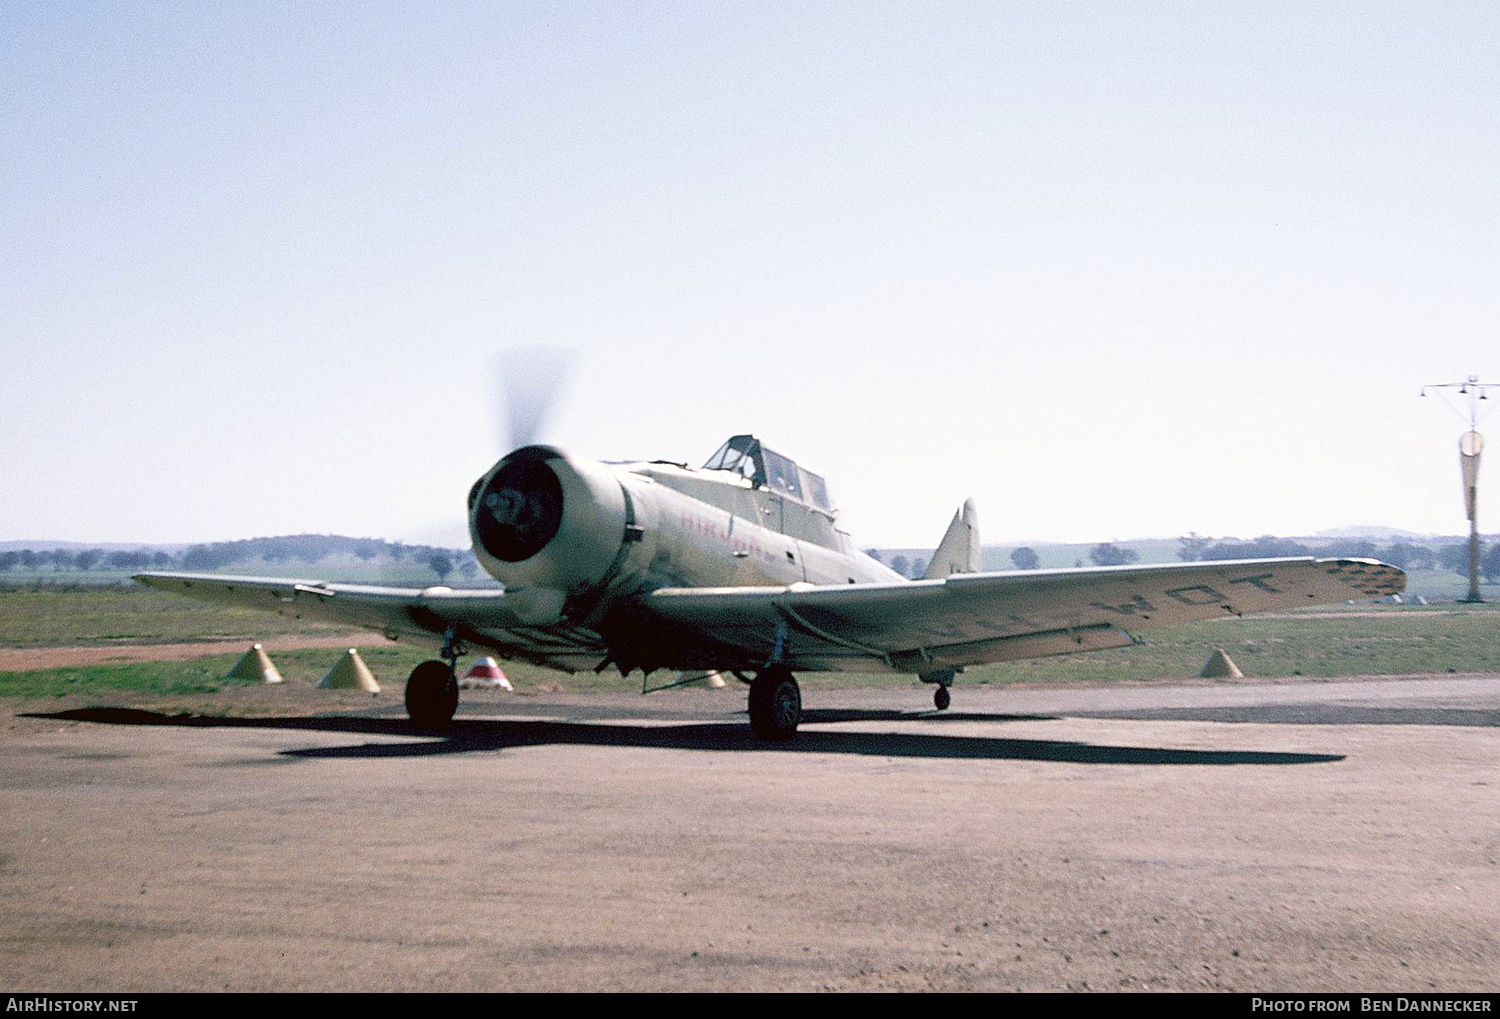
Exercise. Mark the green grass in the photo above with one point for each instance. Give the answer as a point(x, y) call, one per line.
point(101, 615)
point(1396, 641)
point(304, 668)
point(147, 678)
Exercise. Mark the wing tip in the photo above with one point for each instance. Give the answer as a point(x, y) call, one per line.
point(1370, 577)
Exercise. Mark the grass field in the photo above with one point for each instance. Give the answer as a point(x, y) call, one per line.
point(205, 675)
point(1341, 641)
point(63, 617)
point(1398, 641)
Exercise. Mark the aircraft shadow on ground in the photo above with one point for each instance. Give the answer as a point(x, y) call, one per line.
point(813, 716)
point(477, 736)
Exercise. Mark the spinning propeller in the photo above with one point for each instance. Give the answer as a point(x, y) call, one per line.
point(531, 380)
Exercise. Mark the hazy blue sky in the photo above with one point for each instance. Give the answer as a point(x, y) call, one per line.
point(1115, 270)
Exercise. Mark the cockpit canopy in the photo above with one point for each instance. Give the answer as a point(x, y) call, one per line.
point(744, 455)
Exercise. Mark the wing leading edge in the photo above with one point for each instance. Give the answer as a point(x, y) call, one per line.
point(975, 618)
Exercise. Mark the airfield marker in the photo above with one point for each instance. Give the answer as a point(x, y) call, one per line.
point(712, 680)
point(1221, 666)
point(485, 672)
point(255, 664)
point(349, 673)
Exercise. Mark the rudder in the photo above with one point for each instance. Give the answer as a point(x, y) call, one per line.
point(959, 551)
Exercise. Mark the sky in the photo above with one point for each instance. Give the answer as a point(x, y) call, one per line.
point(1114, 270)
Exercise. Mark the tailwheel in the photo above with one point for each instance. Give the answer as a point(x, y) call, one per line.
point(941, 698)
point(432, 694)
point(775, 704)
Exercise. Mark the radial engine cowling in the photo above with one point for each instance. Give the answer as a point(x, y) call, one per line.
point(548, 526)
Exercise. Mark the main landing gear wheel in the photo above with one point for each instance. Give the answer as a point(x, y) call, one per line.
point(432, 694)
point(941, 698)
point(775, 704)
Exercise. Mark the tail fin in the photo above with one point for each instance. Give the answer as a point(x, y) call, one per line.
point(959, 550)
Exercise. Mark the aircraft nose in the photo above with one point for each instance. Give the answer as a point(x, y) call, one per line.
point(519, 509)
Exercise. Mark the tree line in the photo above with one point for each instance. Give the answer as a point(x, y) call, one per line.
point(1451, 555)
point(212, 556)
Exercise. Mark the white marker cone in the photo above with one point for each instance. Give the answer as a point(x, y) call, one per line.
point(485, 672)
point(349, 673)
point(1221, 666)
point(709, 679)
point(255, 664)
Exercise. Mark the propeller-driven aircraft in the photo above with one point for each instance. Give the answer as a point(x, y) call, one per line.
point(740, 566)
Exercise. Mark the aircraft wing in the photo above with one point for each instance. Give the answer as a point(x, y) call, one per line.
point(974, 618)
point(480, 617)
point(911, 627)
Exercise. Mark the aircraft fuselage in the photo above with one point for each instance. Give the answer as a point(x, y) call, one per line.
point(574, 538)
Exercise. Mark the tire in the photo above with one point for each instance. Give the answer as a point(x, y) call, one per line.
point(941, 698)
point(775, 705)
point(431, 695)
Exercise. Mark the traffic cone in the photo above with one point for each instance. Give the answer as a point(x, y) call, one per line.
point(349, 673)
point(1221, 666)
point(255, 664)
point(485, 672)
point(709, 679)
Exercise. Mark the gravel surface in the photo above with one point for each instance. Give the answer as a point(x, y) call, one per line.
point(1294, 836)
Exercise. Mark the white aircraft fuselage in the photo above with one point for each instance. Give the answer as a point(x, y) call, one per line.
point(572, 538)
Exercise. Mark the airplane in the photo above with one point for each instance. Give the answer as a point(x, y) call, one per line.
point(741, 567)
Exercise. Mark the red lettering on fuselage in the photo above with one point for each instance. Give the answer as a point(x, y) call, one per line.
point(698, 525)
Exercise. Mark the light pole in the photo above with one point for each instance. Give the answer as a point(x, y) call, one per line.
point(1470, 445)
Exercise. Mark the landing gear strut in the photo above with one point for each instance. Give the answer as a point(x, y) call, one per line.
point(432, 687)
point(775, 704)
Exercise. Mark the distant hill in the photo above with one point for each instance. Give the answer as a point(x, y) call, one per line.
point(1377, 532)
